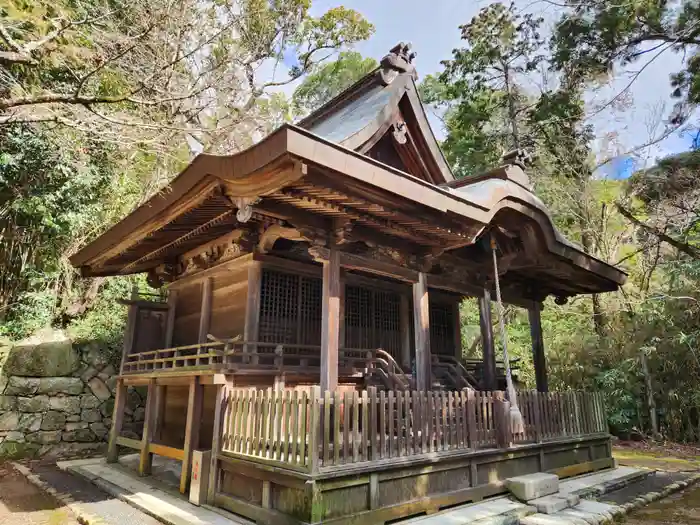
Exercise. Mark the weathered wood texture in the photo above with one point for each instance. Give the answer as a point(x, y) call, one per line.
point(174, 418)
point(188, 308)
point(330, 321)
point(538, 357)
point(421, 323)
point(385, 491)
point(277, 427)
point(489, 353)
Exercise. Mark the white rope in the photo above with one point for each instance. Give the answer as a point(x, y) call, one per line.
point(516, 416)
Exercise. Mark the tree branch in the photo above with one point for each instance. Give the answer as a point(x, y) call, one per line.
point(679, 245)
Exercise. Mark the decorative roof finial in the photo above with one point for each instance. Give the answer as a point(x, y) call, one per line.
point(517, 157)
point(399, 60)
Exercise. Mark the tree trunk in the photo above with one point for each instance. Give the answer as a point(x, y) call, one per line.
point(651, 403)
point(598, 316)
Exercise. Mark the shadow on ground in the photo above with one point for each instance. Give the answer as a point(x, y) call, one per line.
point(21, 503)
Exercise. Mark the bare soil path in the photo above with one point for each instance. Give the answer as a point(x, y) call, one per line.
point(21, 503)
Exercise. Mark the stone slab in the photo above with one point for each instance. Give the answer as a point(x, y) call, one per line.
point(141, 493)
point(549, 504)
point(497, 511)
point(584, 484)
point(532, 486)
point(551, 519)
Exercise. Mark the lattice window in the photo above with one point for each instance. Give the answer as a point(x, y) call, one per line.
point(372, 319)
point(442, 329)
point(279, 307)
point(290, 308)
point(310, 311)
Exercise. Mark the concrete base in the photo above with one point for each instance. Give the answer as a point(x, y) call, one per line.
point(155, 499)
point(507, 511)
point(533, 486)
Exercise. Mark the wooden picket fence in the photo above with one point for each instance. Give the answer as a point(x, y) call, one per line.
point(304, 430)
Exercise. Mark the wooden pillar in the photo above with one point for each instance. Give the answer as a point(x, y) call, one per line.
point(129, 334)
point(341, 322)
point(205, 313)
point(194, 420)
point(170, 321)
point(457, 316)
point(421, 322)
point(117, 420)
point(252, 309)
point(146, 459)
point(330, 321)
point(159, 417)
point(533, 314)
point(219, 407)
point(487, 341)
point(405, 324)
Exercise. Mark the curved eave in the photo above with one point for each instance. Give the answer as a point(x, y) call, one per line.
point(275, 163)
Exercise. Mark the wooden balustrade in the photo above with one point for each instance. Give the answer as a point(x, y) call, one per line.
point(308, 431)
point(232, 355)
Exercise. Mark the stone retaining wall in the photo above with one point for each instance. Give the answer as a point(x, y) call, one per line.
point(56, 399)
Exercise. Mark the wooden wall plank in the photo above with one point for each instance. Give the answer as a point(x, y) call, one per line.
point(252, 310)
point(405, 321)
point(205, 315)
point(170, 321)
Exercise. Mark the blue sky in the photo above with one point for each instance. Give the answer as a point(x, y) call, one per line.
point(432, 27)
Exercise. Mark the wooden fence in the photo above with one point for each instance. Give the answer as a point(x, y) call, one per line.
point(304, 430)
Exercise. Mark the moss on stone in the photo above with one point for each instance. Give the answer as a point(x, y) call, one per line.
point(15, 450)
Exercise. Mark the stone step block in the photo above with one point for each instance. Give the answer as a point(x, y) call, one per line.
point(571, 499)
point(533, 486)
point(549, 504)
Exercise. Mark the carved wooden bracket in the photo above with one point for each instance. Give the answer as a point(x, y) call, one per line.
point(271, 234)
point(319, 253)
point(400, 132)
point(341, 232)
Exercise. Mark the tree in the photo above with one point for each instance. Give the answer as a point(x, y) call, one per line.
point(328, 80)
point(489, 112)
point(158, 67)
point(485, 107)
point(595, 37)
point(97, 98)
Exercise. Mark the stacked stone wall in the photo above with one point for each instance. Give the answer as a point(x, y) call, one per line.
point(56, 400)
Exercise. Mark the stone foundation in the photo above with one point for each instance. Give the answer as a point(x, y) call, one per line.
point(56, 399)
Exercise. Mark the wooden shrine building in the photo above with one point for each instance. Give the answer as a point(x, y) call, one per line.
point(311, 335)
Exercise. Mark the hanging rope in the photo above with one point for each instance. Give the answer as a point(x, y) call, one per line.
point(516, 418)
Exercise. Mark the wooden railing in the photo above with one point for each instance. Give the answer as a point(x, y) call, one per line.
point(232, 355)
point(304, 430)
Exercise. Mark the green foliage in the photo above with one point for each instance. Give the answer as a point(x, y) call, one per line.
point(594, 37)
point(328, 80)
point(47, 194)
point(97, 98)
point(478, 90)
point(592, 344)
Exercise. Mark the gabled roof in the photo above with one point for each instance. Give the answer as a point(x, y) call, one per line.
point(382, 116)
point(367, 164)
